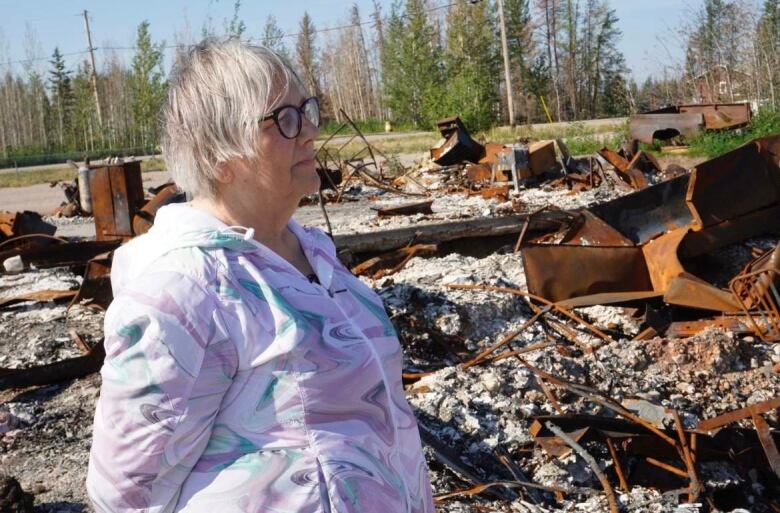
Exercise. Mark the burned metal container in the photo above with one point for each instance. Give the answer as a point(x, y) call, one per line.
point(117, 195)
point(688, 120)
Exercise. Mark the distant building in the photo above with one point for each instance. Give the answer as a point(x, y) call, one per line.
point(721, 84)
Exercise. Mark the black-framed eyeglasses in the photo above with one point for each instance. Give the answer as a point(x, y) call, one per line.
point(289, 118)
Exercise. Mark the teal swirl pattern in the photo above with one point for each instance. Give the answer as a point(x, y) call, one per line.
point(233, 384)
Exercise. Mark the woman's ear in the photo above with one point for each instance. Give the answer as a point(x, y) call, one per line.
point(224, 173)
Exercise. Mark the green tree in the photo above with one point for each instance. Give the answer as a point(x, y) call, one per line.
point(768, 45)
point(61, 96)
point(147, 85)
point(307, 55)
point(522, 49)
point(236, 27)
point(472, 65)
point(273, 38)
point(83, 109)
point(412, 68)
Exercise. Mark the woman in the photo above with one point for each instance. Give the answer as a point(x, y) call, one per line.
point(246, 369)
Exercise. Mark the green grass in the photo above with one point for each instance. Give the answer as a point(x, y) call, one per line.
point(25, 178)
point(369, 126)
point(64, 172)
point(411, 144)
point(153, 164)
point(712, 144)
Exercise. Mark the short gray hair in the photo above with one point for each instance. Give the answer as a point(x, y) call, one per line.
point(217, 93)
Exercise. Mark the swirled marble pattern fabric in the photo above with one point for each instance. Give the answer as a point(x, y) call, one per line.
point(234, 384)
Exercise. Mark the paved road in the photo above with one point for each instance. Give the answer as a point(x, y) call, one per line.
point(44, 199)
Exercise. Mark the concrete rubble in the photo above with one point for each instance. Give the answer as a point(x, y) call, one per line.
point(527, 401)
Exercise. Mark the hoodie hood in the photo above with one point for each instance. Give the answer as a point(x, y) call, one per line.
point(176, 226)
point(179, 225)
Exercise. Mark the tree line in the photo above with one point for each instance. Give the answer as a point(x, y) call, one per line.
point(413, 63)
point(732, 54)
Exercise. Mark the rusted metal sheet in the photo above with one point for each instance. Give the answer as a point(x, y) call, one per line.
point(117, 195)
point(553, 445)
point(765, 220)
point(739, 414)
point(559, 272)
point(767, 442)
point(615, 160)
point(457, 146)
point(61, 255)
point(630, 172)
point(15, 224)
point(390, 263)
point(725, 200)
point(541, 158)
point(479, 173)
point(406, 209)
point(41, 295)
point(685, 329)
point(95, 288)
point(646, 214)
point(144, 219)
point(688, 120)
point(679, 287)
point(646, 127)
point(739, 182)
point(500, 192)
point(589, 230)
point(718, 116)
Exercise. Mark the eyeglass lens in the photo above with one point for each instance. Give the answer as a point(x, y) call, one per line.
point(290, 118)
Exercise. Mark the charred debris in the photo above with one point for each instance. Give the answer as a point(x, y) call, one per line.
point(527, 400)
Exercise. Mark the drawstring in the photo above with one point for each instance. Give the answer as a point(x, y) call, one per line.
point(243, 231)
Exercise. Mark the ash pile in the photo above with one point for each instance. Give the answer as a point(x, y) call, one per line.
point(587, 333)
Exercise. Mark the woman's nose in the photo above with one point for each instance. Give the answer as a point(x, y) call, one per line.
point(309, 130)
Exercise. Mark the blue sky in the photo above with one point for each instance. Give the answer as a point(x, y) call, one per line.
point(648, 27)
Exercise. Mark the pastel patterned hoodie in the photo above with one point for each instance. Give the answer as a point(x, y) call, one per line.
point(234, 384)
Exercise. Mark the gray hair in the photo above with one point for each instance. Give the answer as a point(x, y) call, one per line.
point(217, 93)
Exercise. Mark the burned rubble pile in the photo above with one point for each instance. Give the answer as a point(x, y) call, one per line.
point(587, 333)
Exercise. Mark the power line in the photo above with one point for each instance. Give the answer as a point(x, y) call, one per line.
point(28, 61)
point(253, 39)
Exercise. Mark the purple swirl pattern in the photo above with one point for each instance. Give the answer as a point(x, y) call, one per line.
point(233, 384)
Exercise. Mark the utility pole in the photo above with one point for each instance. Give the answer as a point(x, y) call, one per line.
point(94, 70)
point(505, 52)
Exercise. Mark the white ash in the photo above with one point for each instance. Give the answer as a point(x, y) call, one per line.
point(610, 318)
point(68, 221)
point(544, 195)
point(12, 285)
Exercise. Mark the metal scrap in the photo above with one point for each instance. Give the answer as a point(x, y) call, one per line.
point(405, 209)
point(688, 120)
point(335, 158)
point(23, 223)
point(724, 200)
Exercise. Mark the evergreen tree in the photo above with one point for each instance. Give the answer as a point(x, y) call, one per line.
point(412, 70)
point(307, 55)
point(522, 50)
point(236, 27)
point(615, 100)
point(273, 38)
point(768, 45)
point(147, 85)
point(472, 64)
point(61, 96)
point(83, 108)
